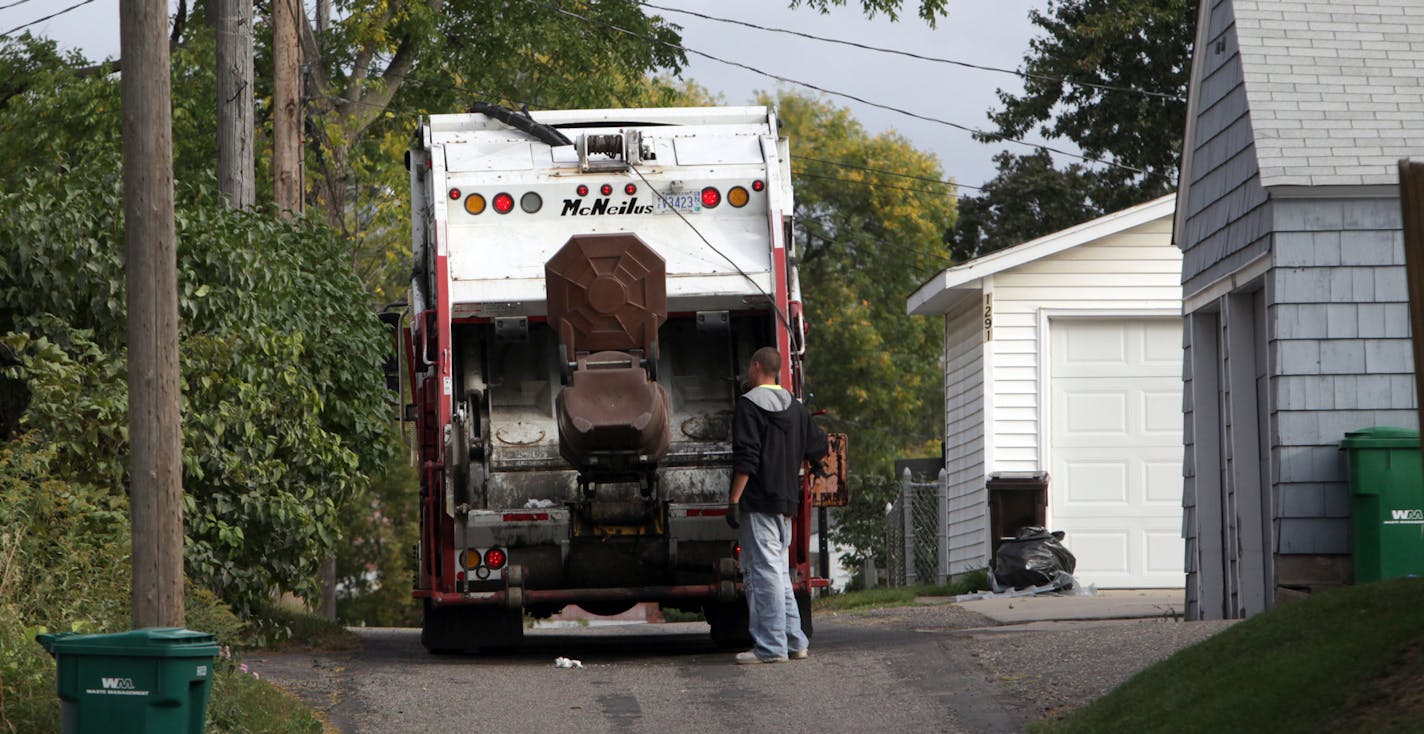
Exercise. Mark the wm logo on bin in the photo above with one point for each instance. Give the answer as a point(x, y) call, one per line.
point(119, 684)
point(1415, 515)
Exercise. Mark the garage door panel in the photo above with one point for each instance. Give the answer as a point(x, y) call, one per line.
point(1164, 552)
point(1115, 397)
point(1096, 413)
point(1096, 482)
point(1100, 551)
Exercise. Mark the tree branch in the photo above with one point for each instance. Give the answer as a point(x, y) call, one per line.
point(175, 42)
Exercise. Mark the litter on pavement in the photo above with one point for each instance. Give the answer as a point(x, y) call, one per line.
point(567, 663)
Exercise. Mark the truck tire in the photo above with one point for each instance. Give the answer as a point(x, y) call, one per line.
point(461, 629)
point(729, 623)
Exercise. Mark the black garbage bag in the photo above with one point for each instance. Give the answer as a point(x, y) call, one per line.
point(1033, 558)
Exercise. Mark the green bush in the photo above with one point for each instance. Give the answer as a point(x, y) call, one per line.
point(860, 526)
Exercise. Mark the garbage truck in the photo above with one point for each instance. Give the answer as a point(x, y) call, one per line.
point(587, 288)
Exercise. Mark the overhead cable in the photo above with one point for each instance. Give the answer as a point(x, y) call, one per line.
point(845, 95)
point(921, 57)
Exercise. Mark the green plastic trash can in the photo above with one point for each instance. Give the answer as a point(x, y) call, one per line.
point(1386, 502)
point(148, 681)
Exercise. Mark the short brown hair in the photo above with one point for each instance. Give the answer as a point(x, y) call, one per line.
point(768, 360)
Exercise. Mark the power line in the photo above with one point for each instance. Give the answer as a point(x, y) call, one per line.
point(872, 184)
point(845, 95)
point(921, 57)
point(882, 171)
point(75, 6)
point(11, 5)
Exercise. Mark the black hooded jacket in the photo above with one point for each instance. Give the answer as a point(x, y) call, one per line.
point(771, 434)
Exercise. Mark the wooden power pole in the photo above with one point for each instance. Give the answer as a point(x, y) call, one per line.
point(1411, 203)
point(151, 276)
point(233, 23)
point(287, 105)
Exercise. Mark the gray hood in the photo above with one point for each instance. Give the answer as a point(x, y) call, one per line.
point(769, 399)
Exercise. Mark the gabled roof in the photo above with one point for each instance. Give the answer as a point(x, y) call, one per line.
point(1335, 89)
point(935, 295)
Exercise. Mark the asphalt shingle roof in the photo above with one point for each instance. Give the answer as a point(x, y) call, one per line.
point(1336, 89)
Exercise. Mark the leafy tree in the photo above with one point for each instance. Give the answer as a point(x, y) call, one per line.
point(1028, 198)
point(284, 407)
point(1081, 75)
point(865, 240)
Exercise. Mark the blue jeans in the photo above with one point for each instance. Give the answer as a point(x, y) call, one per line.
point(771, 604)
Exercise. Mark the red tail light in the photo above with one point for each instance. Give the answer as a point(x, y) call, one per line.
point(454, 194)
point(582, 190)
point(737, 551)
point(503, 203)
point(711, 198)
point(758, 185)
point(606, 189)
point(630, 189)
point(495, 558)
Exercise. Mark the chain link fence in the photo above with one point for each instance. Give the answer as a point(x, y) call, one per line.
point(916, 533)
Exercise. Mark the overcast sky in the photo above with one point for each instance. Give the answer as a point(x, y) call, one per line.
point(985, 33)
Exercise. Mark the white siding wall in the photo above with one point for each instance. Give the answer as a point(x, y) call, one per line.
point(964, 439)
point(1137, 269)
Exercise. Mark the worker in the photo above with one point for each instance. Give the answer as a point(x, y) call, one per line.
point(772, 434)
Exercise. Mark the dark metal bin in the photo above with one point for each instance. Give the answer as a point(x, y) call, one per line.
point(1016, 499)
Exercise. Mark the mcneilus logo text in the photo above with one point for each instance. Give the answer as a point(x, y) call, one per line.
point(601, 207)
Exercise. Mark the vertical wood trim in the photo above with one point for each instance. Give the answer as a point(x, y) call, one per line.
point(1206, 431)
point(1245, 452)
point(151, 277)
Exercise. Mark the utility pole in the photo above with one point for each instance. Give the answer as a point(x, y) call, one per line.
point(323, 15)
point(151, 276)
point(287, 105)
point(236, 179)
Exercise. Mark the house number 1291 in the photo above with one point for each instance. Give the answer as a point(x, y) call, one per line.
point(988, 317)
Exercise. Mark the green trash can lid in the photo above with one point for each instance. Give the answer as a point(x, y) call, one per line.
point(1381, 437)
point(151, 642)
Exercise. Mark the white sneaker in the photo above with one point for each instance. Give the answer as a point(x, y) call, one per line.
point(750, 658)
point(798, 654)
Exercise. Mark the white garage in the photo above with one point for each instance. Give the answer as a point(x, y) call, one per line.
point(1063, 355)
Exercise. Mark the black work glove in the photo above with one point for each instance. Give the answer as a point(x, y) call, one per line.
point(734, 516)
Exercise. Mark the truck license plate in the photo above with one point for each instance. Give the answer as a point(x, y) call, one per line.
point(680, 202)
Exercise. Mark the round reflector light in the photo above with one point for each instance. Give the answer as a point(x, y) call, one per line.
point(495, 558)
point(503, 203)
point(758, 185)
point(738, 197)
point(475, 204)
point(531, 202)
point(605, 189)
point(582, 190)
point(454, 194)
point(630, 189)
point(711, 197)
point(469, 558)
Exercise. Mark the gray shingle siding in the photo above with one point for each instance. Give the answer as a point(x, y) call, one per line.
point(1224, 226)
point(1341, 354)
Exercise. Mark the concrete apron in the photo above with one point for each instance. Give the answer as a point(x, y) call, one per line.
point(1110, 604)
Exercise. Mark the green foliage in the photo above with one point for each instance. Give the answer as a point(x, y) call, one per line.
point(929, 11)
point(284, 406)
point(242, 703)
point(375, 564)
point(1027, 199)
point(860, 526)
point(1139, 44)
point(1313, 665)
point(864, 243)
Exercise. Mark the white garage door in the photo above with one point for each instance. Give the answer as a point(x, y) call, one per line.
point(1116, 448)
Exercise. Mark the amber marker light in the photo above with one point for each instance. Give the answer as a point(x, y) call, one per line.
point(738, 197)
point(475, 204)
